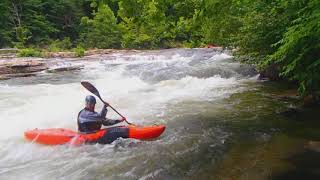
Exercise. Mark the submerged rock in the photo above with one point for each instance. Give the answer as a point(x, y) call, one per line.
point(65, 68)
point(20, 75)
point(313, 145)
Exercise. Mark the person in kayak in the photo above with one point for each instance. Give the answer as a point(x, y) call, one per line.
point(90, 121)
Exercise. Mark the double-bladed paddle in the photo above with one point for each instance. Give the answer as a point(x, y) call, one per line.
point(94, 91)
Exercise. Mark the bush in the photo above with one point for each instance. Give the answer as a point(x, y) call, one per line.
point(102, 31)
point(29, 52)
point(299, 50)
point(53, 47)
point(79, 51)
point(65, 43)
point(58, 45)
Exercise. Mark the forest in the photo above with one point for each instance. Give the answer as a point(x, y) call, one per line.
point(281, 33)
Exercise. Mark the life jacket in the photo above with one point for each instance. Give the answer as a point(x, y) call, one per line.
point(90, 125)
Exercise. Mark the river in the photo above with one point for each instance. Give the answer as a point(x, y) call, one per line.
point(222, 123)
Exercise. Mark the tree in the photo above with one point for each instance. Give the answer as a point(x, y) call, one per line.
point(6, 30)
point(101, 31)
point(298, 52)
point(143, 24)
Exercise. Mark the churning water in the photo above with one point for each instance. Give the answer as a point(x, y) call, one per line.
point(184, 89)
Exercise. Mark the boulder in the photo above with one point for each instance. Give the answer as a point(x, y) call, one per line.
point(271, 72)
point(65, 68)
point(21, 67)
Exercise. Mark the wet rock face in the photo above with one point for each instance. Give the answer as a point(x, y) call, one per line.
point(64, 68)
point(21, 68)
point(271, 72)
point(8, 53)
point(60, 55)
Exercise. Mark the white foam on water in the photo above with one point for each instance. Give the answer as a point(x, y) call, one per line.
point(45, 105)
point(57, 105)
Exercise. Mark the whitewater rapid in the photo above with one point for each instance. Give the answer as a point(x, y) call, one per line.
point(148, 87)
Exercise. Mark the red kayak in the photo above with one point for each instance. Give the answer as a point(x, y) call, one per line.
point(55, 136)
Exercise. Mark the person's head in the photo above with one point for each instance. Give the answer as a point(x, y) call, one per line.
point(90, 102)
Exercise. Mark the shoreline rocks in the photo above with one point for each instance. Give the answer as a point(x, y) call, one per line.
point(20, 68)
point(12, 66)
point(64, 68)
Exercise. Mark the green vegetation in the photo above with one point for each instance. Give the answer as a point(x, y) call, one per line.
point(79, 51)
point(59, 45)
point(282, 33)
point(29, 52)
point(102, 31)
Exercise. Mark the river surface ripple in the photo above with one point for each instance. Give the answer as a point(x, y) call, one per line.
point(201, 95)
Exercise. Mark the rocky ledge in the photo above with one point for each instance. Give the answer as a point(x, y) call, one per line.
point(20, 68)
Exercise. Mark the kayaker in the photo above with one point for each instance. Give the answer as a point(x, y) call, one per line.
point(89, 120)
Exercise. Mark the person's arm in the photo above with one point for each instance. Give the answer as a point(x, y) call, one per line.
point(103, 112)
point(109, 122)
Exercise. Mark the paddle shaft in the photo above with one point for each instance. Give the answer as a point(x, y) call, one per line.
point(95, 91)
point(114, 110)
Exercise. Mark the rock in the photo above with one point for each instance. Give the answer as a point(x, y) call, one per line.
point(98, 51)
point(24, 64)
point(292, 113)
point(22, 67)
point(291, 94)
point(9, 76)
point(310, 101)
point(65, 68)
point(214, 46)
point(8, 52)
point(4, 78)
point(60, 54)
point(272, 72)
point(20, 75)
point(313, 145)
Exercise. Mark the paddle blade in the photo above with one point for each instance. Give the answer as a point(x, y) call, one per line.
point(90, 88)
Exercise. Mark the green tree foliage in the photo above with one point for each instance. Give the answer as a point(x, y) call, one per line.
point(29, 52)
point(285, 33)
point(65, 16)
point(79, 51)
point(102, 31)
point(278, 32)
point(221, 20)
point(27, 22)
point(5, 30)
point(143, 23)
point(298, 52)
point(58, 45)
point(31, 26)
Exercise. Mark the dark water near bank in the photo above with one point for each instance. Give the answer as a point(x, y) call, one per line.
point(222, 123)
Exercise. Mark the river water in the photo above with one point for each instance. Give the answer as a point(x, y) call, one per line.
point(222, 123)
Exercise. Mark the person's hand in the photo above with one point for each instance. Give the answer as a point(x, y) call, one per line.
point(106, 105)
